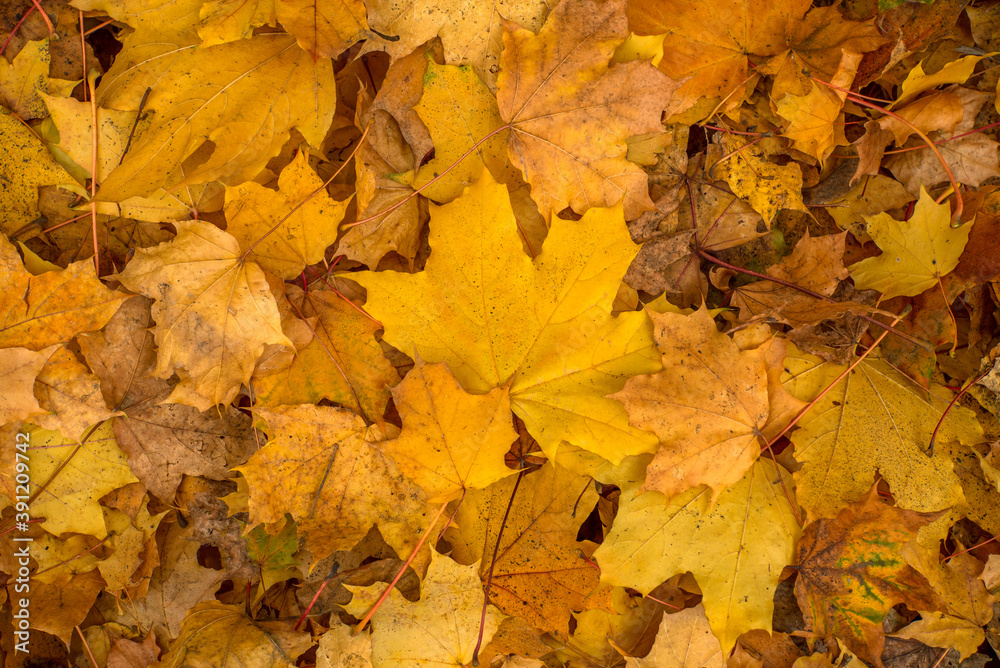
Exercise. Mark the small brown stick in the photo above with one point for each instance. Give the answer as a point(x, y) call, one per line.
point(86, 646)
point(493, 562)
point(135, 124)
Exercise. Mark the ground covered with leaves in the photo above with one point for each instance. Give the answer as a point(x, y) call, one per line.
point(647, 333)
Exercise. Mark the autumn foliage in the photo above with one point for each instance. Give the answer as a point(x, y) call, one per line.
point(593, 333)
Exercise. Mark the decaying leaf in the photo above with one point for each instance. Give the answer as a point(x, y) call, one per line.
point(337, 481)
point(707, 406)
point(541, 572)
point(851, 573)
point(215, 313)
point(214, 634)
point(875, 419)
point(445, 308)
point(570, 114)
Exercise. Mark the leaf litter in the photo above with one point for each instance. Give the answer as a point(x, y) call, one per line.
point(570, 334)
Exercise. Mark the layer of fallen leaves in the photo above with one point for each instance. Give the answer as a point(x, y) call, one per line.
point(641, 333)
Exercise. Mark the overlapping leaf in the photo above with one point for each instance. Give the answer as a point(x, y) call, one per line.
point(570, 114)
point(214, 313)
point(540, 573)
point(735, 548)
point(237, 101)
point(478, 281)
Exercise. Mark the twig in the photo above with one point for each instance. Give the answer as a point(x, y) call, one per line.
point(493, 562)
point(364, 622)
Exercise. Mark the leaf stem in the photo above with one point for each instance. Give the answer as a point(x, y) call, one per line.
point(86, 646)
point(956, 216)
point(930, 448)
point(427, 532)
point(969, 549)
point(493, 563)
point(330, 576)
point(829, 387)
point(16, 28)
point(93, 165)
point(974, 131)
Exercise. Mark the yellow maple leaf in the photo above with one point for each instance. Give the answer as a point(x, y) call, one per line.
point(684, 640)
point(340, 647)
point(916, 253)
point(18, 369)
point(458, 111)
point(570, 114)
point(129, 537)
point(540, 585)
point(735, 549)
point(478, 282)
point(707, 406)
point(214, 312)
point(221, 21)
point(285, 239)
point(25, 165)
point(53, 307)
point(71, 395)
point(712, 45)
point(324, 28)
point(766, 186)
point(214, 635)
point(335, 480)
point(936, 629)
point(167, 20)
point(440, 629)
point(876, 419)
point(917, 80)
point(470, 31)
point(239, 99)
point(813, 118)
point(74, 120)
point(23, 81)
point(77, 475)
point(451, 440)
